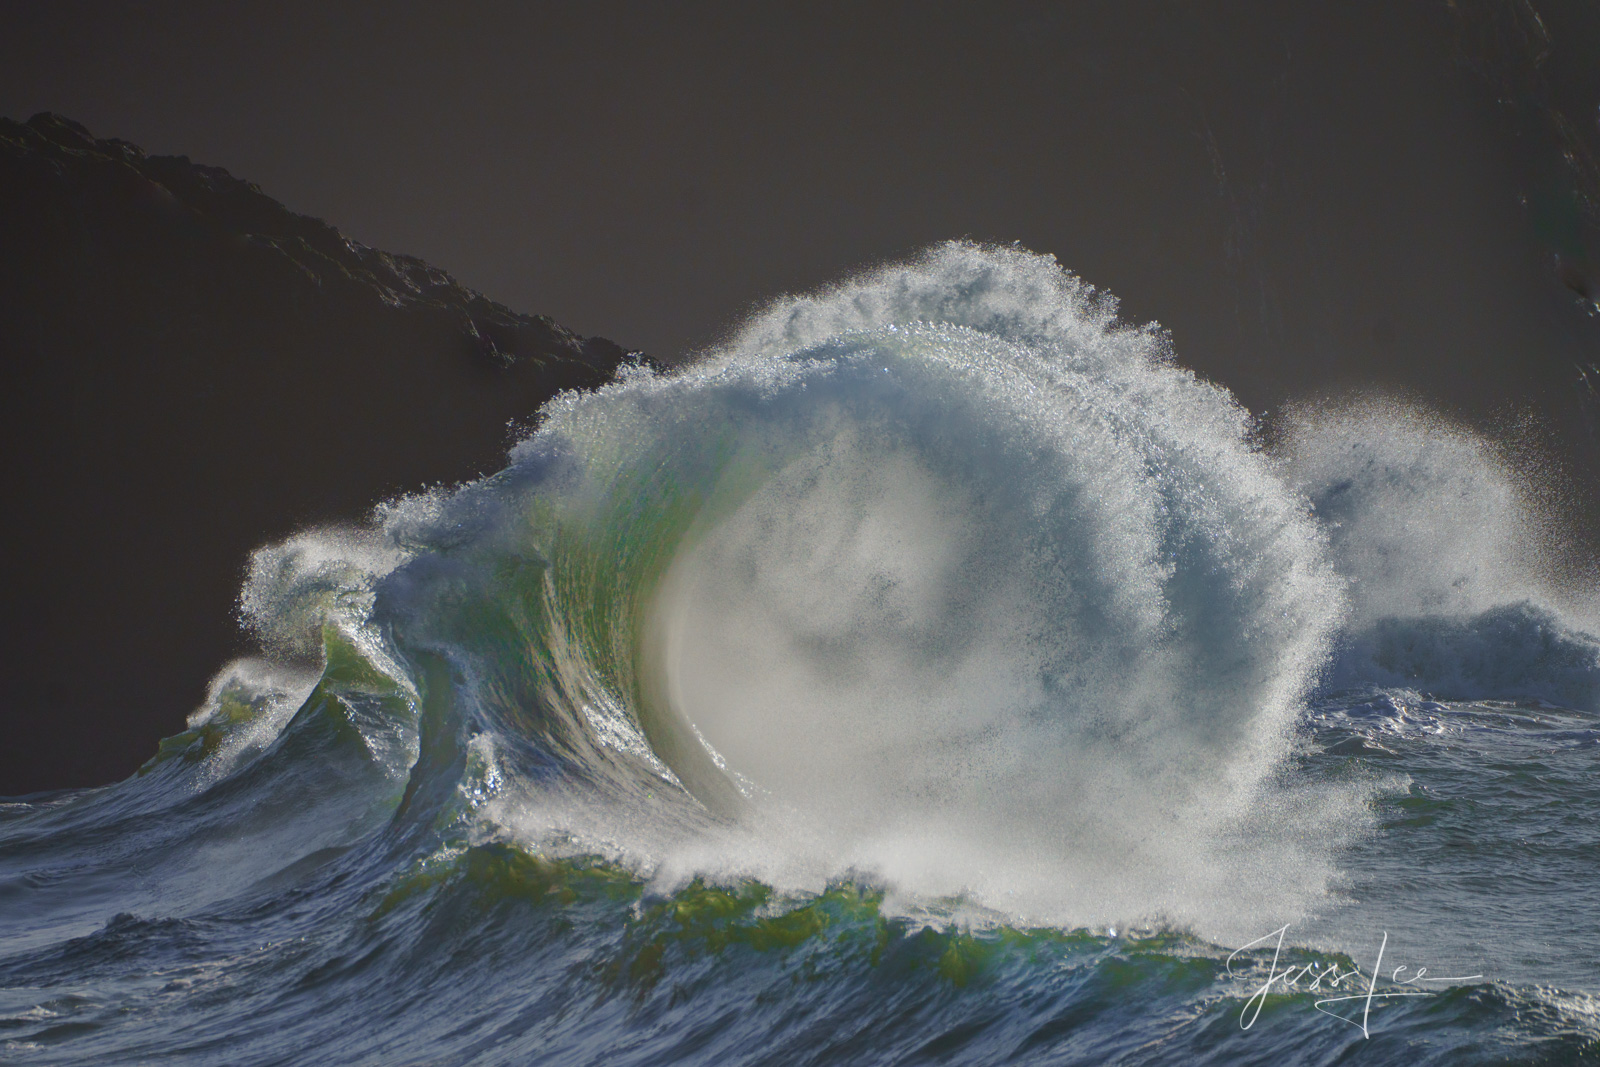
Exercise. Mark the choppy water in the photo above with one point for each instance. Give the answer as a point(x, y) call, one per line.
point(937, 672)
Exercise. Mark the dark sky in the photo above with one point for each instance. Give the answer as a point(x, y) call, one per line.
point(1306, 194)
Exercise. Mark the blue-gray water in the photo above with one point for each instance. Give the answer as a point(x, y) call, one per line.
point(937, 672)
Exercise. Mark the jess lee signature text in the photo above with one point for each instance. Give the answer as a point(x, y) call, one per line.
point(1316, 976)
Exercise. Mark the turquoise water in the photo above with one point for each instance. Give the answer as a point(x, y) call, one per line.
point(937, 672)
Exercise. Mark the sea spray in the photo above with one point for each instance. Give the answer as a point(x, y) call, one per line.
point(1458, 583)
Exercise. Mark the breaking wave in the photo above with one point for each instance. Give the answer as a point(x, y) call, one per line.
point(942, 577)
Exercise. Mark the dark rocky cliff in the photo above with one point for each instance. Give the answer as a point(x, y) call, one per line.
point(191, 369)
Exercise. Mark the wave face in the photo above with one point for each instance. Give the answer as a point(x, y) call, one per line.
point(942, 577)
point(935, 669)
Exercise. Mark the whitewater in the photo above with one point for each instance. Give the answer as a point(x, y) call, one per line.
point(933, 671)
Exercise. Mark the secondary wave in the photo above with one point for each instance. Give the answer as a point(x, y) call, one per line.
point(1460, 583)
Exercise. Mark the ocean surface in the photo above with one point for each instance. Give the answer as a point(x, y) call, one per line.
point(936, 672)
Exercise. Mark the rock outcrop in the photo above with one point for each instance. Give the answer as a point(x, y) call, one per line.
point(191, 369)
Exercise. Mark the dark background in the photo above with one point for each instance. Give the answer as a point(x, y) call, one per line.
point(1290, 187)
point(1310, 196)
